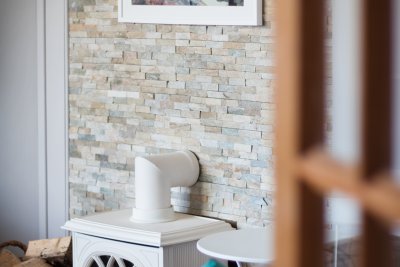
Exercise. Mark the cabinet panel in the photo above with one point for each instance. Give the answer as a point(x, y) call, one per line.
point(90, 251)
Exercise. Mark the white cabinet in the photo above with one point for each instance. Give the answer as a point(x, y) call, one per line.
point(110, 239)
point(91, 251)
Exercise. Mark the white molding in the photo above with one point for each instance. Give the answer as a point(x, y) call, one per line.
point(52, 54)
point(56, 46)
point(249, 14)
point(41, 112)
point(66, 103)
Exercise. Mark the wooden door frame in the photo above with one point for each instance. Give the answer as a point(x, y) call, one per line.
point(306, 173)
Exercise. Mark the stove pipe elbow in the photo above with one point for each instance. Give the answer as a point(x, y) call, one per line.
point(154, 177)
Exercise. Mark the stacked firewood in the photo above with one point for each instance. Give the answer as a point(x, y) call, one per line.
point(39, 253)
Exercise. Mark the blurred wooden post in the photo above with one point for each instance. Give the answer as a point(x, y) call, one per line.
point(302, 180)
point(376, 129)
point(300, 117)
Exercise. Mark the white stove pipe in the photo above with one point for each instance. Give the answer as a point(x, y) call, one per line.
point(154, 177)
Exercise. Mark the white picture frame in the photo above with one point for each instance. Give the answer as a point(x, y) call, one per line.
point(248, 14)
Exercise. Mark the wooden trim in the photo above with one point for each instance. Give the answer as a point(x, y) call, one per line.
point(312, 74)
point(377, 87)
point(287, 210)
point(380, 199)
point(376, 248)
point(325, 174)
point(304, 178)
point(311, 128)
point(311, 223)
point(376, 129)
point(300, 126)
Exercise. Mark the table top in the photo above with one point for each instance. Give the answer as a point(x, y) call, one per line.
point(246, 245)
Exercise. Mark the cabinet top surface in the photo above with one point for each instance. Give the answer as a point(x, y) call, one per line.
point(117, 225)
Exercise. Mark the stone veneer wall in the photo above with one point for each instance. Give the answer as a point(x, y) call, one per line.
point(139, 89)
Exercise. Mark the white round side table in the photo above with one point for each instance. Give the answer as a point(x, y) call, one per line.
point(246, 245)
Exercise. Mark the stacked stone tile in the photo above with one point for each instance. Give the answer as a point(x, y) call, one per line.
point(139, 89)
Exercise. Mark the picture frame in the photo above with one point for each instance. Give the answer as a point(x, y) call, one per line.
point(248, 14)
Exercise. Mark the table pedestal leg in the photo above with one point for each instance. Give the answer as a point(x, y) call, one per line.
point(234, 264)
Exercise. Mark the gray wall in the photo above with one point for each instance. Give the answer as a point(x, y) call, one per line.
point(19, 202)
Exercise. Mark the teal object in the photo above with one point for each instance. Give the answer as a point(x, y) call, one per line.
point(213, 263)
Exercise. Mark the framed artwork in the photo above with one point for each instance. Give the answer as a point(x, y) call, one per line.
point(193, 12)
